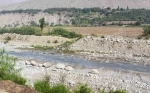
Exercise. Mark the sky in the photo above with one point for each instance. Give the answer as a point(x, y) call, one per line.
point(6, 2)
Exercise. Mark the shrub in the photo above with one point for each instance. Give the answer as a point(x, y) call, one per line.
point(15, 78)
point(102, 36)
point(83, 89)
point(7, 39)
point(146, 30)
point(64, 33)
point(42, 86)
point(7, 68)
point(55, 41)
point(59, 88)
point(117, 91)
point(25, 30)
point(38, 47)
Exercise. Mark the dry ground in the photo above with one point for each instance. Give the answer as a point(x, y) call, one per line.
point(123, 31)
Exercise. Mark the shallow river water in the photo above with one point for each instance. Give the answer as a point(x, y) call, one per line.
point(78, 61)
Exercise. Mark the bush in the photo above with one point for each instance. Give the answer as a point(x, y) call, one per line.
point(59, 88)
point(117, 91)
point(55, 41)
point(146, 30)
point(64, 33)
point(38, 47)
point(25, 30)
point(83, 89)
point(7, 68)
point(112, 91)
point(42, 86)
point(7, 39)
point(15, 78)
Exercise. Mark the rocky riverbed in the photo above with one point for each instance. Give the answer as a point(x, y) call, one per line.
point(94, 48)
point(114, 48)
point(133, 82)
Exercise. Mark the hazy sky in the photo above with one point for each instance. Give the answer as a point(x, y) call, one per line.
point(5, 2)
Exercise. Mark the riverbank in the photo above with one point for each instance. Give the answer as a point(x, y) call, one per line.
point(114, 48)
point(133, 82)
point(96, 77)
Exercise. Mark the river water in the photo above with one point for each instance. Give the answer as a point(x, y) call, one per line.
point(79, 61)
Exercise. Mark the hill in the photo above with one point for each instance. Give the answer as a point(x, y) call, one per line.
point(43, 4)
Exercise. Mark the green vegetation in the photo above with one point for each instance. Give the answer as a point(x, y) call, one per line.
point(146, 32)
point(42, 23)
point(7, 68)
point(59, 88)
point(83, 89)
point(7, 39)
point(65, 47)
point(25, 30)
point(38, 47)
point(44, 87)
point(95, 16)
point(64, 33)
point(29, 11)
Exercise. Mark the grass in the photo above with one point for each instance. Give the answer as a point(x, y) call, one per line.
point(7, 69)
point(83, 89)
point(38, 47)
point(59, 88)
point(64, 33)
point(42, 86)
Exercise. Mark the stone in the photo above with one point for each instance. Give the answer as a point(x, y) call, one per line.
point(33, 63)
point(69, 68)
point(60, 66)
point(40, 65)
point(71, 83)
point(27, 63)
point(47, 64)
point(94, 71)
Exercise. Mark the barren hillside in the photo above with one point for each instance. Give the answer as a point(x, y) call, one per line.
point(43, 4)
point(20, 19)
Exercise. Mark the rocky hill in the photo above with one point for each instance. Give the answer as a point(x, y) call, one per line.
point(43, 4)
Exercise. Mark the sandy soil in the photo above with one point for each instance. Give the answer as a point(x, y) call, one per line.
point(120, 31)
point(26, 40)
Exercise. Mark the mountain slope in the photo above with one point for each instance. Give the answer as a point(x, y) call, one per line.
point(43, 4)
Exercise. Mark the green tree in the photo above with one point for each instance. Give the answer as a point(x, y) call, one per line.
point(42, 23)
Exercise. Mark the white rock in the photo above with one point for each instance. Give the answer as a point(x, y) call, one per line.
point(71, 83)
point(40, 65)
point(94, 71)
point(27, 63)
point(47, 64)
point(69, 68)
point(33, 63)
point(60, 66)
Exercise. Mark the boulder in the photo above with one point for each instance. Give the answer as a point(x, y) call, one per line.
point(27, 63)
point(40, 65)
point(69, 68)
point(94, 71)
point(60, 66)
point(33, 63)
point(71, 83)
point(47, 64)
